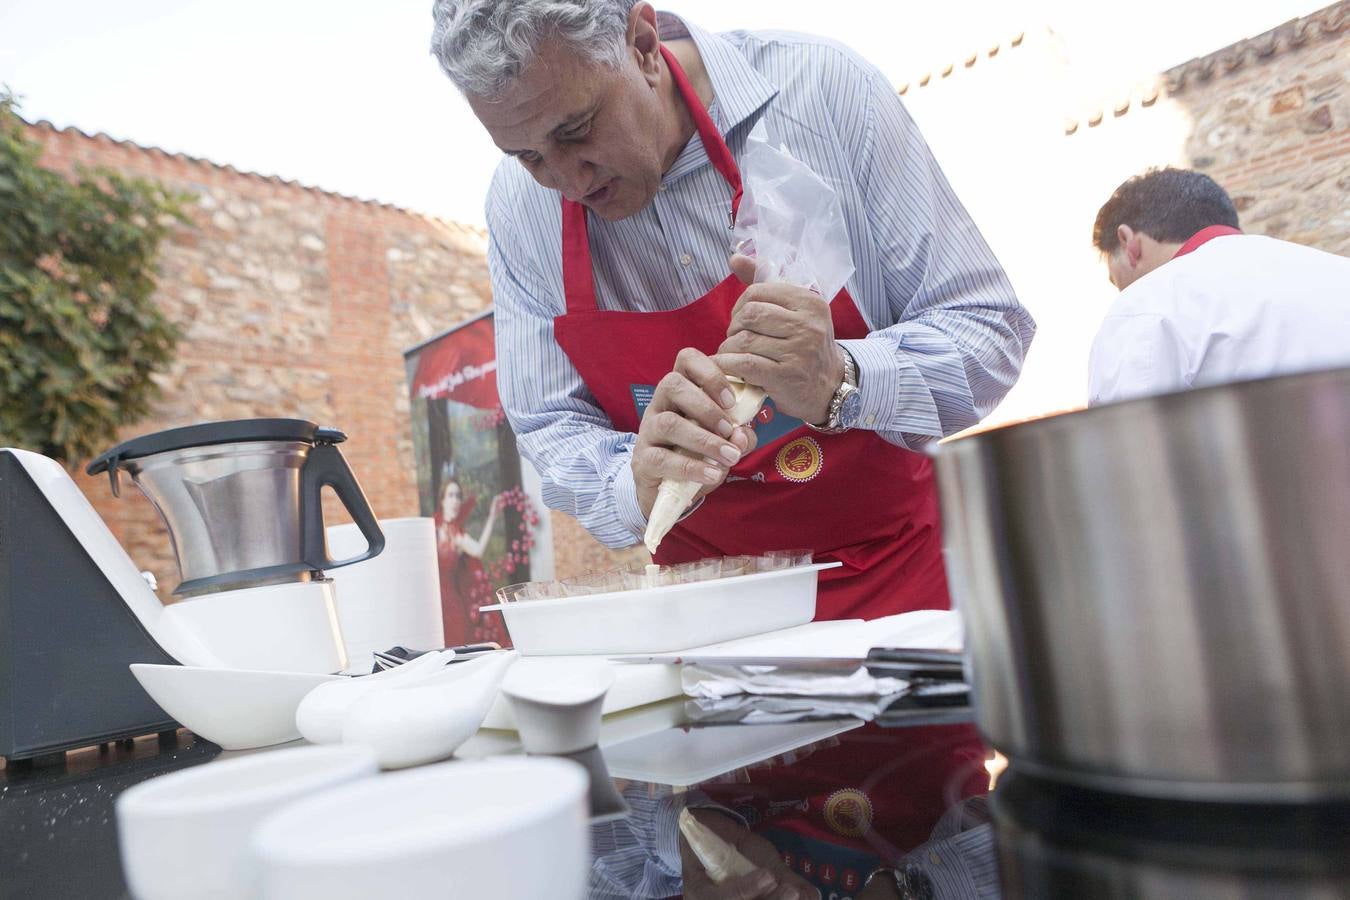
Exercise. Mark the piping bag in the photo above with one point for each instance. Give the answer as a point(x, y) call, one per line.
point(790, 221)
point(719, 859)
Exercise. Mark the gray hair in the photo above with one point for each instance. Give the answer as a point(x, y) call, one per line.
point(483, 45)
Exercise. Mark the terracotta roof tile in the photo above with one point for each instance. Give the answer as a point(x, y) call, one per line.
point(1325, 23)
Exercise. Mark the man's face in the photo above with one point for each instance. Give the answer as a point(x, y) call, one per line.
point(592, 131)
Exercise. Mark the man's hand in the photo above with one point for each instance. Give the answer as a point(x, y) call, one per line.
point(782, 338)
point(685, 432)
point(771, 880)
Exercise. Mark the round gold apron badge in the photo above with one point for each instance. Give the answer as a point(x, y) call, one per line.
point(800, 460)
point(848, 812)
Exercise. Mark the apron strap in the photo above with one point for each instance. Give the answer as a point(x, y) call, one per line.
point(578, 279)
point(713, 143)
point(578, 276)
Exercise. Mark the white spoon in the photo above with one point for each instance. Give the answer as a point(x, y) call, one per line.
point(319, 716)
point(427, 720)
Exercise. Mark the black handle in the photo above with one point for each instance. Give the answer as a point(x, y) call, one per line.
point(325, 467)
point(915, 663)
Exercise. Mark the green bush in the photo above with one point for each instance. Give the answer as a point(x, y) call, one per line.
point(80, 335)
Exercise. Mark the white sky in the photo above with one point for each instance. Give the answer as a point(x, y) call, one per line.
point(343, 94)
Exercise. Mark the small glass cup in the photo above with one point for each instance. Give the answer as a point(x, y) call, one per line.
point(528, 590)
point(696, 571)
point(640, 576)
point(774, 560)
point(737, 565)
point(592, 583)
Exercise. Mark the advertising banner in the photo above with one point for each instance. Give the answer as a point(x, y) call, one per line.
point(491, 525)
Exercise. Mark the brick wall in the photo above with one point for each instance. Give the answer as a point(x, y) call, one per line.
point(295, 302)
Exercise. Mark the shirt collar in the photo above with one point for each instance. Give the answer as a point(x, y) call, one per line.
point(1204, 236)
point(740, 92)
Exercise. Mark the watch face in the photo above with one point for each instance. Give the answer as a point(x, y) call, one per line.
point(850, 410)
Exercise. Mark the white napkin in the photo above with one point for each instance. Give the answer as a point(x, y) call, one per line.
point(781, 710)
point(726, 681)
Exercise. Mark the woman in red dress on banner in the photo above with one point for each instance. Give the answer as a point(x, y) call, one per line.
point(464, 583)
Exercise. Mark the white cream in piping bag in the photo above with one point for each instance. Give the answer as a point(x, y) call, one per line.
point(674, 496)
point(720, 859)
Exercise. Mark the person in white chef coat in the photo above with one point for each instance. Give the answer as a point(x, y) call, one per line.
point(1200, 302)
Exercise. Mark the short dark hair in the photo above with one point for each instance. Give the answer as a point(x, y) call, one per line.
point(1168, 205)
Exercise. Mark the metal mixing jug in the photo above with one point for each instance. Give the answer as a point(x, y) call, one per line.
point(242, 499)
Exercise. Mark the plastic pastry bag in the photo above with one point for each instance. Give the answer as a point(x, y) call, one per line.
point(791, 223)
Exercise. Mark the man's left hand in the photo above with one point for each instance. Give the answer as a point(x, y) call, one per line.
point(781, 338)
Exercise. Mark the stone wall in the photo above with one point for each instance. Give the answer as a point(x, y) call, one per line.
point(1272, 125)
point(295, 302)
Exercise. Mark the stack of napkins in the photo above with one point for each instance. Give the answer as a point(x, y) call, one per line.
point(852, 638)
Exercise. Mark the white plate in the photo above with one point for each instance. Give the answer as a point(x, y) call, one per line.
point(239, 709)
point(657, 620)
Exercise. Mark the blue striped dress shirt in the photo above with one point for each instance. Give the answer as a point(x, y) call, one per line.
point(948, 335)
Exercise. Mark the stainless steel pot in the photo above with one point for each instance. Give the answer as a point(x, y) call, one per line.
point(1157, 593)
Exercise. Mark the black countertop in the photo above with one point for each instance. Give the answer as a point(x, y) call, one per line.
point(58, 833)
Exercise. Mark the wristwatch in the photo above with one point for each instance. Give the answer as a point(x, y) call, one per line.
point(846, 405)
point(910, 882)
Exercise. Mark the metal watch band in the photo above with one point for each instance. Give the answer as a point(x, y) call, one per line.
point(850, 382)
point(910, 881)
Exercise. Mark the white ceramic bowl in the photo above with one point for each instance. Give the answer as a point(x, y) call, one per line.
point(239, 709)
point(289, 627)
point(510, 828)
point(657, 620)
point(185, 835)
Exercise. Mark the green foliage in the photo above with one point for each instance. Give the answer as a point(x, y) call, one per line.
point(80, 335)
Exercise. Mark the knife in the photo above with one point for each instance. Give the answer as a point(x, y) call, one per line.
point(894, 662)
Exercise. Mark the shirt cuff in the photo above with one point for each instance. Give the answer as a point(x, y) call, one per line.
point(878, 381)
point(895, 398)
point(626, 501)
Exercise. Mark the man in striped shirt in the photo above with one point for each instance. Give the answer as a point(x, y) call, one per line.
point(619, 321)
point(948, 335)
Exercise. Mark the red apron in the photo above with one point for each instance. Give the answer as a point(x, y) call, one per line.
point(850, 497)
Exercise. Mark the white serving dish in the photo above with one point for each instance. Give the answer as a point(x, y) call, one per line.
point(662, 619)
point(184, 836)
point(239, 709)
point(510, 829)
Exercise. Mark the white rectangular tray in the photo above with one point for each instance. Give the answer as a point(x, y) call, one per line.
point(657, 620)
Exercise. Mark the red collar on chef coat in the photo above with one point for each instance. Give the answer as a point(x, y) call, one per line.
point(1203, 236)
